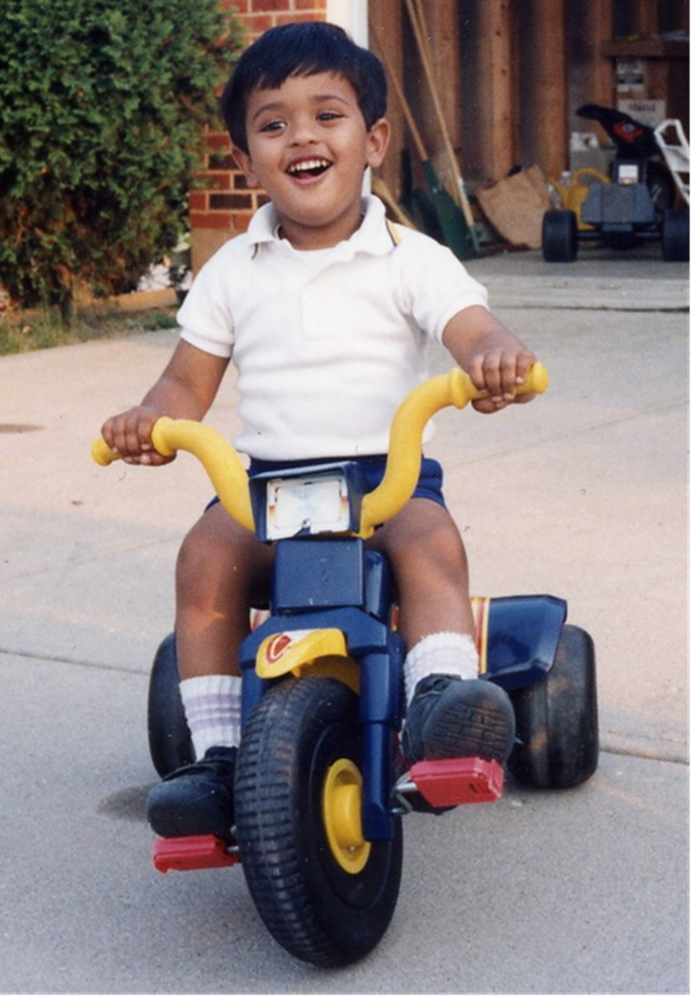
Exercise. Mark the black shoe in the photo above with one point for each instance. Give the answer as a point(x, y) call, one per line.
point(196, 799)
point(450, 717)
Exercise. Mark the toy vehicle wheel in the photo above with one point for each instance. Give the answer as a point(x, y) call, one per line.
point(556, 719)
point(325, 893)
point(660, 185)
point(170, 743)
point(559, 236)
point(675, 236)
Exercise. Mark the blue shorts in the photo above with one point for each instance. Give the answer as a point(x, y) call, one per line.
point(429, 483)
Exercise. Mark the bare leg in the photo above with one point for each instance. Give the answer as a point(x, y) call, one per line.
point(221, 566)
point(431, 569)
point(447, 716)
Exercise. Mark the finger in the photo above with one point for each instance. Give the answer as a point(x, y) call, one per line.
point(514, 372)
point(488, 407)
point(485, 372)
point(524, 363)
point(152, 459)
point(500, 376)
point(508, 377)
point(476, 372)
point(132, 432)
point(137, 438)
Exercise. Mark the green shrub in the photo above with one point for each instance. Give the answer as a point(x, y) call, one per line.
point(42, 329)
point(102, 113)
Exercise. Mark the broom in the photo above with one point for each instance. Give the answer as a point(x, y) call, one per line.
point(454, 228)
point(417, 20)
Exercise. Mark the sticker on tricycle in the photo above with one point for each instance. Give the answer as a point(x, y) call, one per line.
point(307, 504)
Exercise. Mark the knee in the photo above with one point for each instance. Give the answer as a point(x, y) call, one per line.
point(197, 565)
point(434, 555)
point(442, 548)
point(219, 561)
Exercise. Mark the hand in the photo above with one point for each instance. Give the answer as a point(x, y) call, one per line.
point(499, 371)
point(129, 434)
point(496, 361)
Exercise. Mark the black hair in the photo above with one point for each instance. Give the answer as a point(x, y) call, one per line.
point(302, 49)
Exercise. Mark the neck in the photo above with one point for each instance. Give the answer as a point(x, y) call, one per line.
point(306, 237)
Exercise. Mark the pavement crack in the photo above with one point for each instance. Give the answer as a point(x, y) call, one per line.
point(81, 561)
point(670, 752)
point(71, 661)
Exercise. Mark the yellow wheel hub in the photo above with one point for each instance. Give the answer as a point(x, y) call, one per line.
point(342, 812)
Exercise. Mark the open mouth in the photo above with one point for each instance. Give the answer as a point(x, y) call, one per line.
point(309, 167)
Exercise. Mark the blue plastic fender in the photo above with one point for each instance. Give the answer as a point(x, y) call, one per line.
point(518, 637)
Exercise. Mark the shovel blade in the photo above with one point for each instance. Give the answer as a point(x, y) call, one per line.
point(456, 233)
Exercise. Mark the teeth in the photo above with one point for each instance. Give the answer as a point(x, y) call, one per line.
point(308, 164)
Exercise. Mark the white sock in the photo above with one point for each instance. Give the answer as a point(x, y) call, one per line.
point(212, 710)
point(440, 653)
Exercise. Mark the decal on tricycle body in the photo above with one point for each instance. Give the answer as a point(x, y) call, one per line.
point(288, 650)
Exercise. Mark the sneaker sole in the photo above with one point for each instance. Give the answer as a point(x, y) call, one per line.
point(465, 728)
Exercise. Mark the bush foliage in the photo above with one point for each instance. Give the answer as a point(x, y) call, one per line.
point(102, 108)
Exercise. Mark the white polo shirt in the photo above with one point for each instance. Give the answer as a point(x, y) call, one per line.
point(326, 343)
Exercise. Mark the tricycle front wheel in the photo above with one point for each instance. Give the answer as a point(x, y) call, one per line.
point(556, 719)
point(325, 893)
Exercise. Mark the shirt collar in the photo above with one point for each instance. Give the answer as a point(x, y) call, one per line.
point(372, 236)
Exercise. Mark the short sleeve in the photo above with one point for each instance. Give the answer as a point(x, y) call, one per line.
point(436, 284)
point(205, 317)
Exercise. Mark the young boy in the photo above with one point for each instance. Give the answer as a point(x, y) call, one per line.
point(326, 310)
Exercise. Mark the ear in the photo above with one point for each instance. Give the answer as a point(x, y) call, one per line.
point(378, 142)
point(244, 163)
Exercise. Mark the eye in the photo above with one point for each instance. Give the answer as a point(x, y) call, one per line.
point(328, 116)
point(272, 126)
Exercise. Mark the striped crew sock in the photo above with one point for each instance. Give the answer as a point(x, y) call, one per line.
point(440, 653)
point(212, 709)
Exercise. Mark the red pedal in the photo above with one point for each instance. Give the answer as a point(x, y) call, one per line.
point(192, 853)
point(458, 781)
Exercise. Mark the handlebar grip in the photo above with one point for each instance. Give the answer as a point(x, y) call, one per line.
point(537, 380)
point(102, 454)
point(462, 390)
point(214, 452)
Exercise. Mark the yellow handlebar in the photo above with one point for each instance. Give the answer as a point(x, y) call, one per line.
point(229, 477)
point(405, 443)
point(217, 456)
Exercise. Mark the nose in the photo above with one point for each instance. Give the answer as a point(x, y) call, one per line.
point(302, 131)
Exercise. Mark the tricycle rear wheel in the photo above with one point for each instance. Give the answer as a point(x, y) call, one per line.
point(324, 900)
point(170, 742)
point(556, 719)
point(675, 236)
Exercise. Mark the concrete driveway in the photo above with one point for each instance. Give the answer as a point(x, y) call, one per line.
point(582, 494)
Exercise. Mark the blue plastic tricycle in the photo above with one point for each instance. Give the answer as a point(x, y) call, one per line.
point(321, 784)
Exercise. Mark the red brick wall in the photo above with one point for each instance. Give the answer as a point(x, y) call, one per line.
point(225, 205)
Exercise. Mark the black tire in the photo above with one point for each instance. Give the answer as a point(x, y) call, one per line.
point(675, 236)
point(559, 236)
point(660, 185)
point(170, 743)
point(319, 912)
point(556, 719)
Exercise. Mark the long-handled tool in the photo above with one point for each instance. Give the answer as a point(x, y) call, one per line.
point(382, 191)
point(418, 23)
point(454, 228)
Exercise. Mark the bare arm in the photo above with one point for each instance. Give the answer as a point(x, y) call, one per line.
point(185, 389)
point(493, 357)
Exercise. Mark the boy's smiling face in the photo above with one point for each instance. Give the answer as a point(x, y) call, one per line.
point(308, 148)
